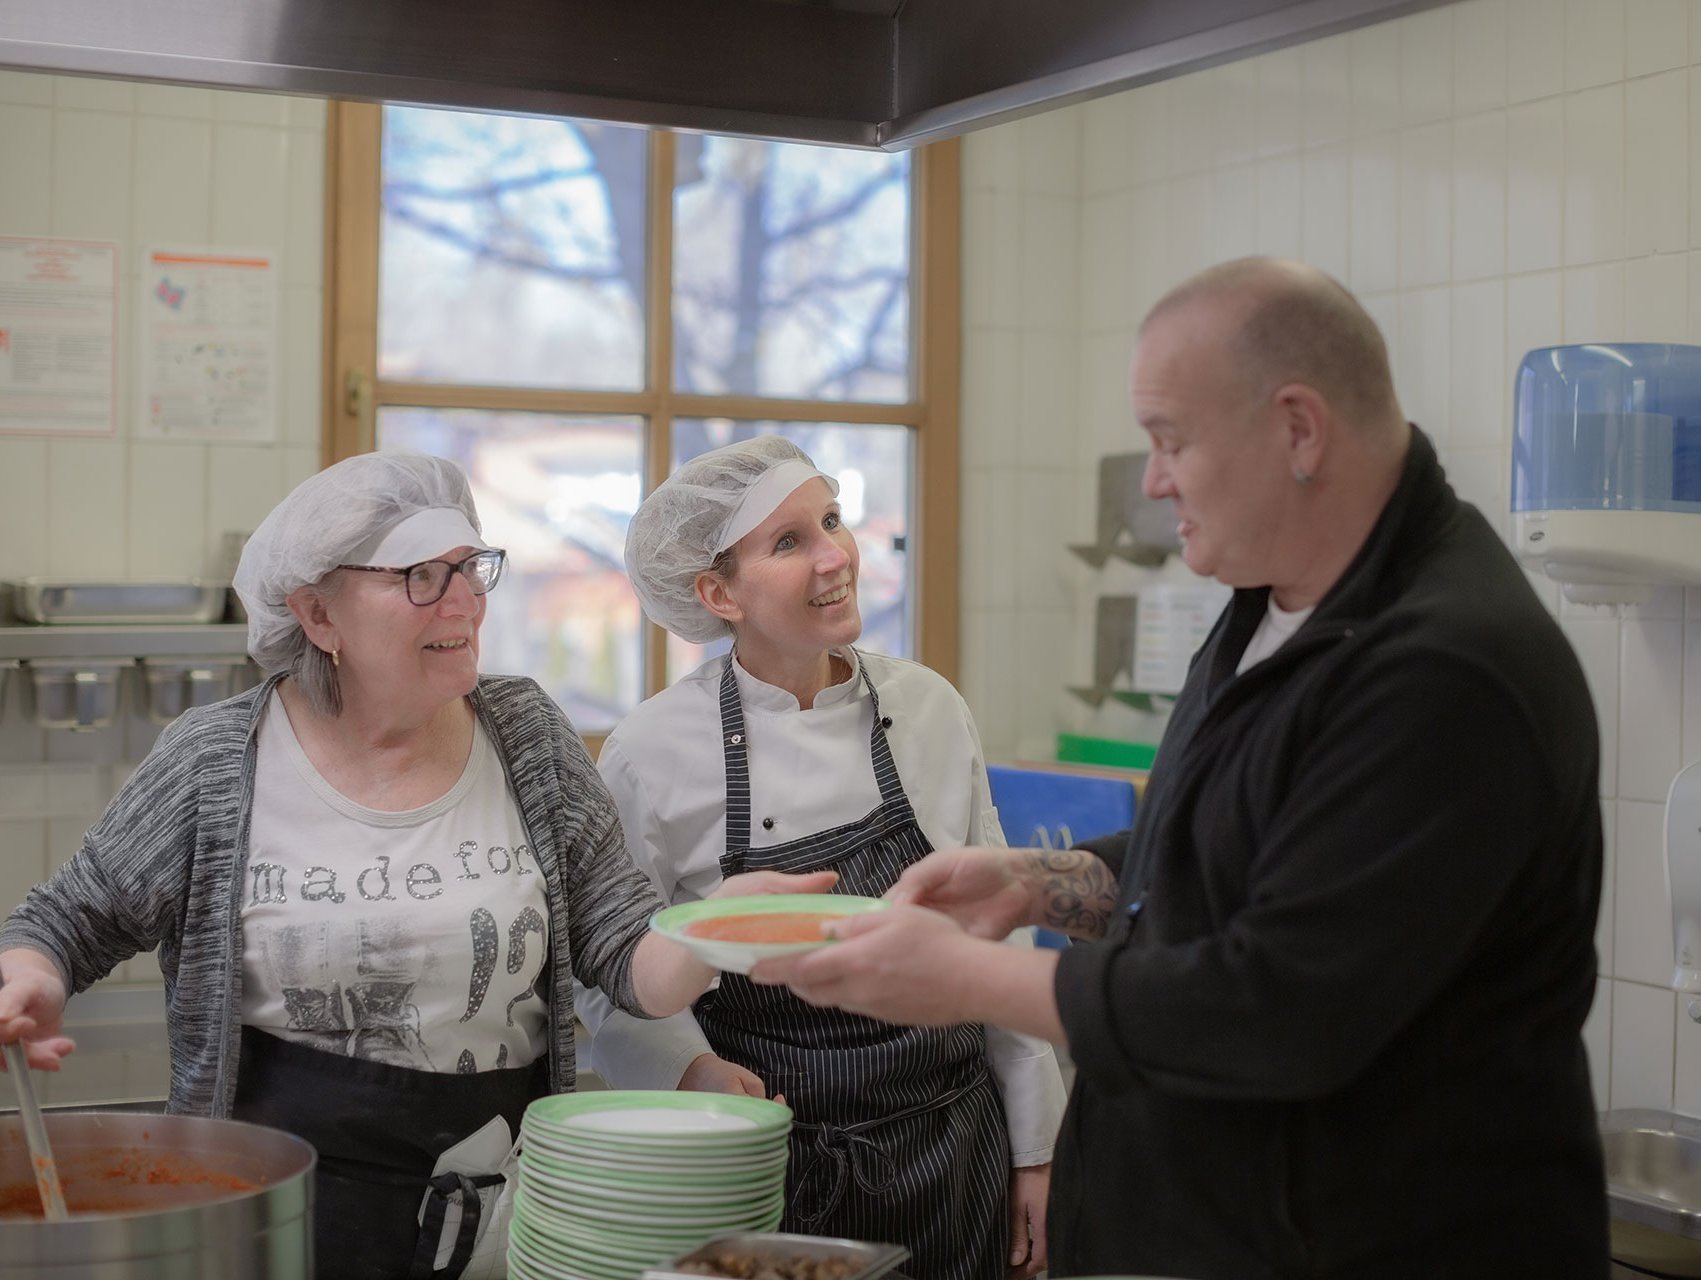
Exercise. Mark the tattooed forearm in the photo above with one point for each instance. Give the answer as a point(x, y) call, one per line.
point(1077, 892)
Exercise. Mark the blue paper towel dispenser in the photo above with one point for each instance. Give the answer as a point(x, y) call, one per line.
point(1606, 467)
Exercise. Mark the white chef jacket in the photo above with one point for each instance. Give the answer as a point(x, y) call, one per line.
point(810, 771)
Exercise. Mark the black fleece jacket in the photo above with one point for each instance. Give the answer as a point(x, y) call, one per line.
point(1335, 1030)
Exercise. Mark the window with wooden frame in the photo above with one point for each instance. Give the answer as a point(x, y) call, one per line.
point(570, 309)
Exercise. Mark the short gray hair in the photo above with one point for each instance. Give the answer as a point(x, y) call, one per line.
point(313, 670)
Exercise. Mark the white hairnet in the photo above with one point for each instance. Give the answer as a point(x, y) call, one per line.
point(698, 512)
point(336, 517)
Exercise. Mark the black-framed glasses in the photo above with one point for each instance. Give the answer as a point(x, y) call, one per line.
point(428, 581)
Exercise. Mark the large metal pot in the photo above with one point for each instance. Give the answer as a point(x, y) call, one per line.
point(157, 1197)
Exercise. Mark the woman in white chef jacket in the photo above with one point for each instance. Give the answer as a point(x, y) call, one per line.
point(798, 752)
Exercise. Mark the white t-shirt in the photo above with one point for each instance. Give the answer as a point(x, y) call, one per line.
point(1273, 632)
point(412, 938)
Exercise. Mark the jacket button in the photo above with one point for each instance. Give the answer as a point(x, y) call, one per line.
point(885, 722)
point(767, 824)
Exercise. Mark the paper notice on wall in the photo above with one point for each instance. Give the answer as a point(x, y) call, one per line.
point(207, 357)
point(1171, 621)
point(58, 336)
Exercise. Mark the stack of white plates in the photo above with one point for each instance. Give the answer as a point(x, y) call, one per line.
point(614, 1182)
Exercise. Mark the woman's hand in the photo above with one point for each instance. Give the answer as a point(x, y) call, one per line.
point(1029, 1189)
point(711, 1074)
point(32, 1007)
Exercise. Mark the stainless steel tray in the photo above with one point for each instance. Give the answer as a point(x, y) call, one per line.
point(92, 602)
point(867, 1260)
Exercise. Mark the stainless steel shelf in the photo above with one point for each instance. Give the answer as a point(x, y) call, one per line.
point(202, 640)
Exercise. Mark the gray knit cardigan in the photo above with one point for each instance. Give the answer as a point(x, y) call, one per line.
point(163, 867)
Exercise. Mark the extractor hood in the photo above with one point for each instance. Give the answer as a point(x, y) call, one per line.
point(862, 73)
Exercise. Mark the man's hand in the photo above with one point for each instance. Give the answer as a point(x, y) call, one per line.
point(988, 892)
point(709, 1073)
point(1029, 1189)
point(32, 1006)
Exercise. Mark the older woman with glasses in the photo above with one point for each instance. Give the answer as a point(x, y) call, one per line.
point(371, 880)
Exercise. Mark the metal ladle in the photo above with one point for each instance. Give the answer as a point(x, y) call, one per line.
point(35, 1132)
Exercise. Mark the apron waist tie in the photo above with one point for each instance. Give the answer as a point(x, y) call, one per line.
point(846, 1152)
point(447, 1187)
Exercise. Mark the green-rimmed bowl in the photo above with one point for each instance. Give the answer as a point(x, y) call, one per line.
point(647, 1120)
point(730, 1193)
point(740, 957)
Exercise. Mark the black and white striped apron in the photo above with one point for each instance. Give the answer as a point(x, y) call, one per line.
point(900, 1132)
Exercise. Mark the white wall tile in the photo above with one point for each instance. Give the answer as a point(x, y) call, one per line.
point(1327, 71)
point(1478, 476)
point(1534, 315)
point(1106, 156)
point(1050, 146)
point(1535, 54)
point(1479, 196)
point(23, 497)
point(251, 186)
point(176, 100)
point(1148, 132)
point(242, 484)
point(173, 183)
point(304, 261)
point(992, 247)
point(91, 175)
point(1375, 214)
point(1234, 200)
point(1049, 278)
point(1594, 42)
point(86, 504)
point(1535, 186)
point(1426, 66)
point(1686, 1095)
point(26, 87)
point(1281, 103)
point(306, 113)
point(1234, 112)
point(1594, 303)
point(1479, 56)
point(1422, 353)
point(1374, 65)
point(1426, 205)
point(1656, 35)
point(1594, 175)
point(1656, 164)
point(1326, 183)
point(1595, 640)
point(1107, 245)
point(1149, 252)
point(1597, 1041)
point(1189, 225)
point(1642, 1045)
point(1477, 417)
point(1609, 875)
point(88, 93)
point(239, 107)
point(167, 535)
point(991, 385)
point(991, 160)
point(1692, 688)
point(1656, 299)
point(1642, 937)
point(1192, 107)
point(1278, 229)
point(1107, 417)
point(26, 158)
point(989, 669)
point(23, 860)
point(989, 537)
point(298, 462)
point(1048, 395)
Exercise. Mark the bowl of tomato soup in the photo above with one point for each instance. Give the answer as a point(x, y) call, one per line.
point(732, 934)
